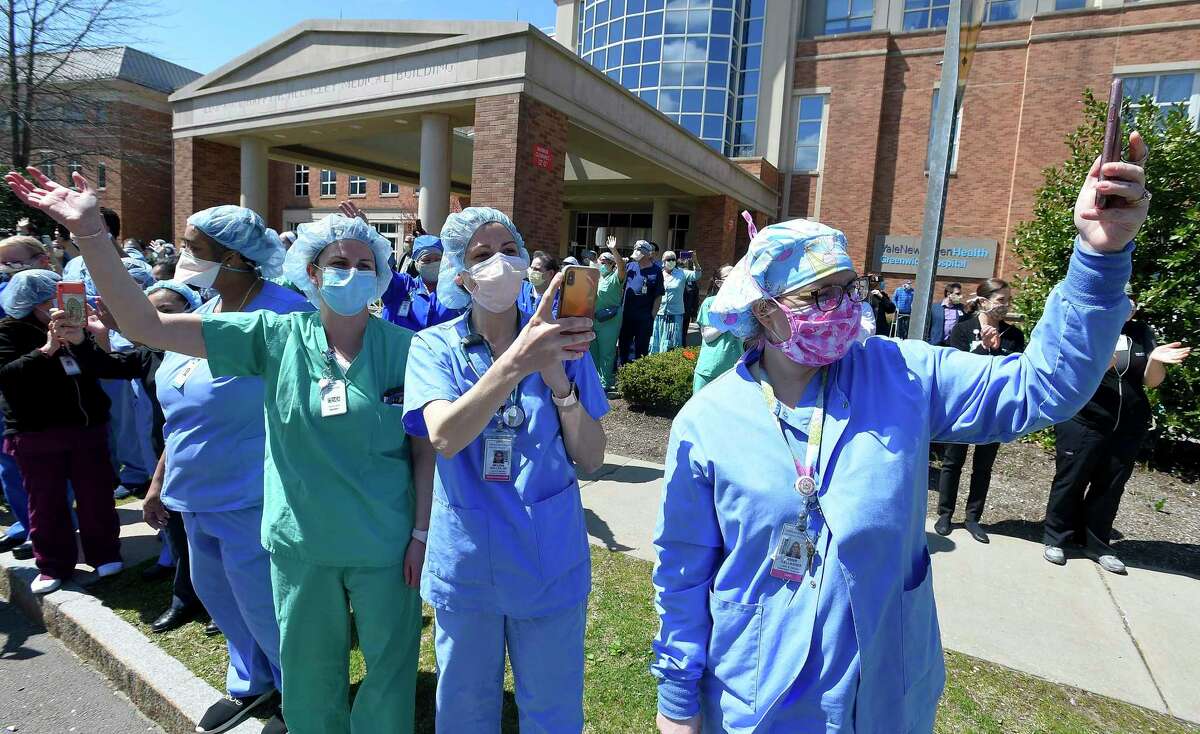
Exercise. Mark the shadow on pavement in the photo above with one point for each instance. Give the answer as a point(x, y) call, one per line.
point(1182, 559)
point(938, 544)
point(15, 629)
point(598, 528)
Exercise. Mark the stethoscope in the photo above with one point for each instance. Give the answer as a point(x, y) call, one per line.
point(511, 414)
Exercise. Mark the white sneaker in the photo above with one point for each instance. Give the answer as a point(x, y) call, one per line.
point(110, 569)
point(1055, 555)
point(44, 584)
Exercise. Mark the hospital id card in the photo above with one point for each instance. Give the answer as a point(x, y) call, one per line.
point(793, 554)
point(333, 398)
point(69, 365)
point(497, 456)
point(403, 309)
point(181, 377)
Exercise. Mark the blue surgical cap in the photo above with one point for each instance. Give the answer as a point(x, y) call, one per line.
point(139, 271)
point(314, 237)
point(425, 243)
point(27, 289)
point(780, 259)
point(239, 228)
point(456, 234)
point(189, 295)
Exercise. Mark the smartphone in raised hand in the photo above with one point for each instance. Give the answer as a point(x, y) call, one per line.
point(72, 299)
point(579, 287)
point(1112, 136)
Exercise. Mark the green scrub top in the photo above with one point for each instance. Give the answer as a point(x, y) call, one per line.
point(721, 355)
point(338, 491)
point(609, 291)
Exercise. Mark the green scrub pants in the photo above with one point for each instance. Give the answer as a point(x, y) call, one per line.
point(604, 350)
point(313, 605)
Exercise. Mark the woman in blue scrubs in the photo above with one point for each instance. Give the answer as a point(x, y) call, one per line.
point(411, 301)
point(793, 582)
point(211, 471)
point(542, 269)
point(512, 403)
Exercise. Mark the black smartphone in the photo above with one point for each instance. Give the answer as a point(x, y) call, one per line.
point(1112, 136)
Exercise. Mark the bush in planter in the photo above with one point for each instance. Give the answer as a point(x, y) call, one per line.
point(659, 382)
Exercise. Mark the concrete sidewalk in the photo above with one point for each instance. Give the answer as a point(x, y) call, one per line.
point(1134, 638)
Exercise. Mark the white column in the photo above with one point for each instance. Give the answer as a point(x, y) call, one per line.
point(433, 204)
point(566, 23)
point(254, 175)
point(660, 221)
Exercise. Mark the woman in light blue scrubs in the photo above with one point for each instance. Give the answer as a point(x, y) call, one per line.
point(411, 300)
point(212, 468)
point(793, 582)
point(512, 403)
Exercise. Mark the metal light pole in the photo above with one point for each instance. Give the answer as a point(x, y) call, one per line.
point(962, 33)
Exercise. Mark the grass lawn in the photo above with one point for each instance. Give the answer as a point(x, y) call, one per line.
point(980, 698)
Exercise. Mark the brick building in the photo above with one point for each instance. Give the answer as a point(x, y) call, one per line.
point(111, 122)
point(838, 95)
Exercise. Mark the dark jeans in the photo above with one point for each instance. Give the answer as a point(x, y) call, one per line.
point(634, 341)
point(183, 596)
point(953, 460)
point(1091, 469)
point(48, 460)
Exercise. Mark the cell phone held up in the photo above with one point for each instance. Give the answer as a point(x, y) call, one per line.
point(72, 300)
point(1112, 137)
point(579, 287)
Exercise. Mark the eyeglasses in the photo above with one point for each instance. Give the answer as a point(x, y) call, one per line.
point(830, 297)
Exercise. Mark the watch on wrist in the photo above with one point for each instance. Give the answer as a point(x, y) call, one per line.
point(421, 535)
point(571, 399)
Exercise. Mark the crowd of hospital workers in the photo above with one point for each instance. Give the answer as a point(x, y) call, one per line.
point(429, 450)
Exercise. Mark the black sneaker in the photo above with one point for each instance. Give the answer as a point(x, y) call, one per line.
point(942, 526)
point(275, 724)
point(229, 712)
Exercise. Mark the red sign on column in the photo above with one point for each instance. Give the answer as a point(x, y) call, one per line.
point(543, 156)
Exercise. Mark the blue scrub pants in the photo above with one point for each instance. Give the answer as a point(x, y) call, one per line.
point(14, 494)
point(547, 661)
point(126, 447)
point(231, 573)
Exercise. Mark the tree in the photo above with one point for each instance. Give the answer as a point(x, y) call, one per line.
point(50, 102)
point(1166, 261)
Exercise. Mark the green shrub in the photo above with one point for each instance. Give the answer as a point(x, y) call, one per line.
point(661, 383)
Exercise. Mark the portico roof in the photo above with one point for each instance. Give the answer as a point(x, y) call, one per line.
point(349, 94)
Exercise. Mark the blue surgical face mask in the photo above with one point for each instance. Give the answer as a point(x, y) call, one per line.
point(347, 292)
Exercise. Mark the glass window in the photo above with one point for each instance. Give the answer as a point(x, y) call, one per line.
point(301, 188)
point(998, 10)
point(696, 49)
point(650, 96)
point(810, 115)
point(676, 22)
point(387, 188)
point(1069, 4)
point(714, 127)
point(673, 49)
point(848, 16)
point(602, 11)
point(650, 75)
point(920, 14)
point(751, 57)
point(587, 41)
point(633, 26)
point(718, 74)
point(953, 143)
point(358, 185)
point(601, 36)
point(754, 32)
point(718, 49)
point(750, 83)
point(745, 134)
point(1173, 91)
point(632, 53)
point(629, 77)
point(693, 75)
point(328, 183)
point(616, 7)
point(714, 101)
point(635, 6)
point(614, 74)
point(747, 108)
point(652, 49)
point(654, 24)
point(722, 22)
point(672, 75)
point(693, 100)
point(668, 100)
point(691, 123)
point(698, 21)
point(101, 175)
point(616, 31)
point(654, 5)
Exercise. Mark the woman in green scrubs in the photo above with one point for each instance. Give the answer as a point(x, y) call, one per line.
point(339, 508)
point(609, 300)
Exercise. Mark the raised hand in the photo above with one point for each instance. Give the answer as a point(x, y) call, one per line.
point(351, 210)
point(546, 342)
point(990, 337)
point(1173, 353)
point(1111, 228)
point(76, 209)
point(63, 330)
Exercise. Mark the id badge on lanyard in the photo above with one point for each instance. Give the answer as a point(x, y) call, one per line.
point(498, 454)
point(793, 555)
point(333, 390)
point(403, 309)
point(181, 377)
point(69, 365)
point(496, 463)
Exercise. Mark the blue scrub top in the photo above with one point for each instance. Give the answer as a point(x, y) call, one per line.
point(517, 548)
point(409, 303)
point(215, 436)
point(528, 299)
point(674, 284)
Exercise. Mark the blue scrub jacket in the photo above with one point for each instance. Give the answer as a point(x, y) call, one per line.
point(726, 628)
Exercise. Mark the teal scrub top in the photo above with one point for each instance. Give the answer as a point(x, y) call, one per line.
point(674, 283)
point(517, 547)
point(338, 490)
point(720, 356)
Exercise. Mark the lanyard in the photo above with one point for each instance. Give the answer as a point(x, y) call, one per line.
point(330, 364)
point(806, 468)
point(511, 414)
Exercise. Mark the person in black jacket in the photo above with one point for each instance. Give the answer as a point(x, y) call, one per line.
point(56, 418)
point(984, 332)
point(1095, 450)
point(881, 304)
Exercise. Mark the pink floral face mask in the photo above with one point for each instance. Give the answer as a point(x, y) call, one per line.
point(819, 337)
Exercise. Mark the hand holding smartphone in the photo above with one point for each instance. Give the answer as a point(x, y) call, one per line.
point(580, 284)
point(72, 300)
point(1112, 136)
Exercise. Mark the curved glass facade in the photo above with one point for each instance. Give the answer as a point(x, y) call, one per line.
point(697, 61)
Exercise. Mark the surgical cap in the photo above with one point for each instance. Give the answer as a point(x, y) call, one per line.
point(239, 228)
point(644, 246)
point(27, 289)
point(139, 271)
point(457, 232)
point(425, 243)
point(189, 295)
point(780, 259)
point(314, 237)
point(570, 260)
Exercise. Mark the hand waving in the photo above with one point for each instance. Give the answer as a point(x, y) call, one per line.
point(351, 210)
point(1173, 353)
point(76, 209)
point(546, 342)
point(1111, 228)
